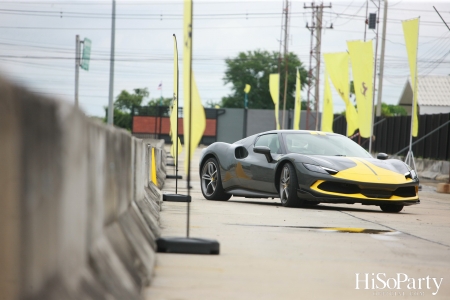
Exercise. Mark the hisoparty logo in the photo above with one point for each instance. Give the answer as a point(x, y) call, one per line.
point(401, 281)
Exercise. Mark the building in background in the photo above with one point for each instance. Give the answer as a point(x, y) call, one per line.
point(433, 97)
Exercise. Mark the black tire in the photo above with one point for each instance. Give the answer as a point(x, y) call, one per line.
point(288, 187)
point(392, 208)
point(211, 183)
point(311, 203)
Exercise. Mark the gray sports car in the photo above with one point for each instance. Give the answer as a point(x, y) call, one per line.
point(306, 168)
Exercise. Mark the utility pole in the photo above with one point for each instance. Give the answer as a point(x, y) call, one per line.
point(383, 43)
point(310, 78)
point(315, 56)
point(111, 66)
point(286, 42)
point(318, 53)
point(77, 67)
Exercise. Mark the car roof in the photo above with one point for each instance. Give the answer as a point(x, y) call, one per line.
point(252, 137)
point(297, 131)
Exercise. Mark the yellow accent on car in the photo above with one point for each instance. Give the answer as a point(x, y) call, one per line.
point(228, 176)
point(240, 172)
point(315, 187)
point(365, 171)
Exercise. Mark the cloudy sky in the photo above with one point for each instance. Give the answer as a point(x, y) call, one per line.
point(37, 41)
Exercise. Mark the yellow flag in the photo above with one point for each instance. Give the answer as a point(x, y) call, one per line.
point(336, 65)
point(193, 131)
point(298, 102)
point(274, 87)
point(173, 113)
point(247, 88)
point(327, 114)
point(411, 32)
point(361, 56)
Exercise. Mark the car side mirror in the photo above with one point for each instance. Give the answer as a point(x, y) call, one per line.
point(264, 150)
point(382, 156)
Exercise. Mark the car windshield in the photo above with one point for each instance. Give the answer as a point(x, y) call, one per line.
point(322, 144)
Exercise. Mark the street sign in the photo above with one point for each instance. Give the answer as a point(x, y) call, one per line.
point(86, 54)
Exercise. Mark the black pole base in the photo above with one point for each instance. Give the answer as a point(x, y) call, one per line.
point(174, 177)
point(187, 245)
point(170, 164)
point(176, 198)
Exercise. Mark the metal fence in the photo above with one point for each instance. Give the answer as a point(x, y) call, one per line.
point(392, 135)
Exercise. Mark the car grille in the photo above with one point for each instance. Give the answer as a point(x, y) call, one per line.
point(345, 188)
point(338, 187)
point(373, 193)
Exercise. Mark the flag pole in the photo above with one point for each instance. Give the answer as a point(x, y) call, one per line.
point(190, 124)
point(176, 138)
point(187, 244)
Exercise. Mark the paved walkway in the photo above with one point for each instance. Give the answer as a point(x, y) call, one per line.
point(272, 252)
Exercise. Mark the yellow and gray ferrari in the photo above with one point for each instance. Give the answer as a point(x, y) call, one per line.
point(305, 168)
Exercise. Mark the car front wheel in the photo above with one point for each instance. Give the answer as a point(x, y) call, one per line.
point(391, 208)
point(288, 186)
point(211, 183)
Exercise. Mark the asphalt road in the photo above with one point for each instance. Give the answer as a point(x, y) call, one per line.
point(271, 252)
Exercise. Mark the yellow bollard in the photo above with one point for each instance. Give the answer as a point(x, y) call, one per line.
point(154, 179)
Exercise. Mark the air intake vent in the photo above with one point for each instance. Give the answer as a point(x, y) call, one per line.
point(376, 193)
point(337, 187)
point(407, 191)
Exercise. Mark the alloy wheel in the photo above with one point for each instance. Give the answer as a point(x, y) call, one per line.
point(284, 184)
point(209, 178)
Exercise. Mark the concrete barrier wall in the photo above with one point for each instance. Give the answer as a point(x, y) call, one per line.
point(78, 215)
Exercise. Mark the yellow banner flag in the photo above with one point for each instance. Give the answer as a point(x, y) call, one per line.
point(176, 148)
point(336, 65)
point(327, 114)
point(274, 88)
point(361, 56)
point(247, 88)
point(411, 32)
point(193, 111)
point(298, 102)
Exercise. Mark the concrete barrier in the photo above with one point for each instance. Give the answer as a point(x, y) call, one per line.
point(78, 214)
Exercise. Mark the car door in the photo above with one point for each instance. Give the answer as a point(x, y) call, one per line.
point(260, 174)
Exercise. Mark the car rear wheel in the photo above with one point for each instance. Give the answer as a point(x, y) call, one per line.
point(288, 186)
point(211, 182)
point(391, 208)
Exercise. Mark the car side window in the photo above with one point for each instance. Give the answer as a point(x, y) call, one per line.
point(269, 140)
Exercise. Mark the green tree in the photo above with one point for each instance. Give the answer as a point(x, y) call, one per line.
point(158, 102)
point(387, 110)
point(123, 105)
point(352, 89)
point(390, 110)
point(253, 68)
point(125, 101)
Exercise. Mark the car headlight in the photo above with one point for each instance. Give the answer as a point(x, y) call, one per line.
point(411, 174)
point(320, 169)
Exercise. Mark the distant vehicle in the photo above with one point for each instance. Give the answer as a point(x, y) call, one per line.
point(305, 168)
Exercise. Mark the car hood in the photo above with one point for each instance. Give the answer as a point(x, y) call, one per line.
point(365, 169)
